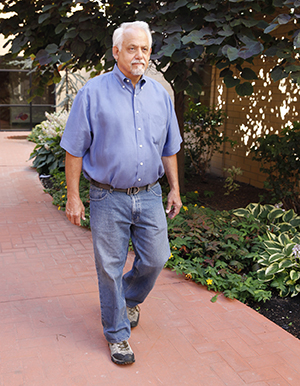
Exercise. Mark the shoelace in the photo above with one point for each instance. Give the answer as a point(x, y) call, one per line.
point(123, 345)
point(133, 311)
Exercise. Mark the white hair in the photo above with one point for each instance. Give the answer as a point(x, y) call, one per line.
point(119, 32)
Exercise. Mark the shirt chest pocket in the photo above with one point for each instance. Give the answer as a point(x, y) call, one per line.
point(157, 129)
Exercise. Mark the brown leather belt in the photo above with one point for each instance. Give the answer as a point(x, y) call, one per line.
point(132, 190)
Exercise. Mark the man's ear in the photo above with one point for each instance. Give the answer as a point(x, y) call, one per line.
point(115, 51)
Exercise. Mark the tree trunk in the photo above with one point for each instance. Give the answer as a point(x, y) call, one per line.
point(179, 109)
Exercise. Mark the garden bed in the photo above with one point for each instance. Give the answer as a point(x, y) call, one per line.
point(285, 312)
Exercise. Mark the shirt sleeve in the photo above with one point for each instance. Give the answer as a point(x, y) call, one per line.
point(173, 141)
point(77, 136)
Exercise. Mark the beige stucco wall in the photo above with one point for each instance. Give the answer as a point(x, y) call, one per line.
point(271, 107)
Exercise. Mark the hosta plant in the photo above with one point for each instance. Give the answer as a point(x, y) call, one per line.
point(278, 252)
point(280, 263)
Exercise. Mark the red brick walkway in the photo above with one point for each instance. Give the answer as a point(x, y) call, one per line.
point(51, 333)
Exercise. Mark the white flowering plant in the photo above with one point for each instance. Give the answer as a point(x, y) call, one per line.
point(47, 154)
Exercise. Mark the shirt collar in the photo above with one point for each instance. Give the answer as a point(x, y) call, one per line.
point(123, 80)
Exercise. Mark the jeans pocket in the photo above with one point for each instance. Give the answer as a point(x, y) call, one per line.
point(98, 194)
point(156, 190)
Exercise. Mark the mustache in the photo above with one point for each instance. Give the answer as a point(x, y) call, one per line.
point(139, 62)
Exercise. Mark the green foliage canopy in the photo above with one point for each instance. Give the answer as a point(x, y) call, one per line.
point(228, 33)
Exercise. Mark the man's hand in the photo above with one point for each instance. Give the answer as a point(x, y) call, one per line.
point(174, 201)
point(174, 204)
point(75, 211)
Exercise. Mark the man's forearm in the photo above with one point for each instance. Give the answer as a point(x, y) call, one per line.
point(73, 170)
point(74, 206)
point(171, 171)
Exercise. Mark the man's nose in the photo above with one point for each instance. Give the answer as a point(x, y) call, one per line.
point(139, 53)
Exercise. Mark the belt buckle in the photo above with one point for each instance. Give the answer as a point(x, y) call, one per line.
point(133, 190)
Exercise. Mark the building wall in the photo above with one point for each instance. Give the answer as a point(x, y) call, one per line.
point(271, 107)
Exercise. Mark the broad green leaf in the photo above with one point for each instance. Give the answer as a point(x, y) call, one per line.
point(271, 28)
point(296, 41)
point(52, 48)
point(272, 244)
point(71, 33)
point(226, 31)
point(249, 23)
point(272, 251)
point(241, 212)
point(78, 47)
point(276, 257)
point(275, 213)
point(278, 73)
point(271, 236)
point(231, 52)
point(297, 287)
point(294, 275)
point(261, 274)
point(288, 215)
point(248, 74)
point(296, 239)
point(43, 17)
point(295, 222)
point(244, 89)
point(284, 239)
point(283, 18)
point(284, 227)
point(60, 28)
point(47, 7)
point(231, 81)
point(288, 249)
point(284, 292)
point(86, 35)
point(286, 263)
point(272, 269)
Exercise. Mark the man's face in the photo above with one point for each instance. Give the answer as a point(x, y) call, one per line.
point(134, 57)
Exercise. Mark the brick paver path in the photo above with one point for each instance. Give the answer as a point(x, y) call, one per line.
point(50, 329)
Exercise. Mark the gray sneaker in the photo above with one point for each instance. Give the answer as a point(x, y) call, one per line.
point(133, 315)
point(121, 353)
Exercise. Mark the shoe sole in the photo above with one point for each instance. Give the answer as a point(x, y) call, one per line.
point(117, 362)
point(134, 324)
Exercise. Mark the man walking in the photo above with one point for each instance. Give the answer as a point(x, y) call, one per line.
point(123, 133)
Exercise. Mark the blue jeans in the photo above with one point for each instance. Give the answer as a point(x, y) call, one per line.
point(115, 218)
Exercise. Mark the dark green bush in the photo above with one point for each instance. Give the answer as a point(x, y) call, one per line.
point(279, 156)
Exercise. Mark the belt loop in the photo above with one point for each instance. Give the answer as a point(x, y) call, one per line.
point(148, 187)
point(111, 189)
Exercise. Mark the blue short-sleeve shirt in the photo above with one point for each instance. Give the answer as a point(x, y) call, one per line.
point(121, 132)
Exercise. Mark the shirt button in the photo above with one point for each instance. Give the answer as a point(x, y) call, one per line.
point(139, 129)
point(141, 145)
point(141, 163)
point(139, 179)
point(123, 86)
point(137, 111)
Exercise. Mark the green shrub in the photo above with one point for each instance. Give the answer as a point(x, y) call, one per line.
point(279, 155)
point(47, 154)
point(202, 136)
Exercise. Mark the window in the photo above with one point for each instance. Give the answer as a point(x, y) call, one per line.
point(15, 111)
